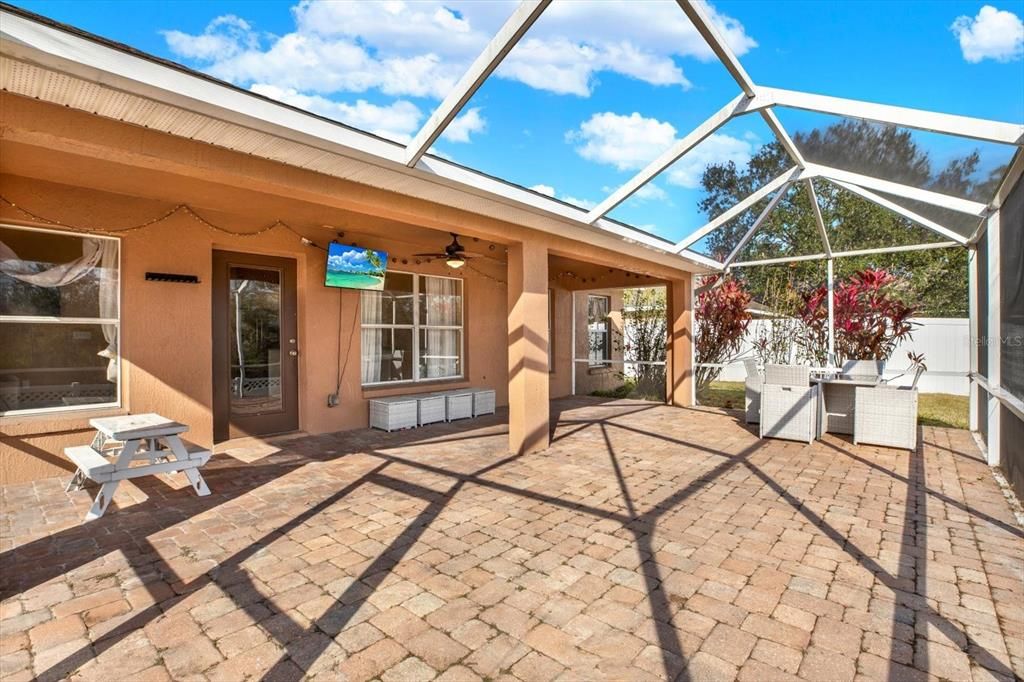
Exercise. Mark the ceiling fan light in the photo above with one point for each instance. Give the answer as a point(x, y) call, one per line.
point(455, 262)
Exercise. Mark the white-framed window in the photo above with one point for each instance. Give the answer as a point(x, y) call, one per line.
point(412, 330)
point(59, 320)
point(599, 330)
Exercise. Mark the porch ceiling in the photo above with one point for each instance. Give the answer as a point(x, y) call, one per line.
point(220, 202)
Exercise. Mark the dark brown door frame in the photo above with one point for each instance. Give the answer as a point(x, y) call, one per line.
point(225, 426)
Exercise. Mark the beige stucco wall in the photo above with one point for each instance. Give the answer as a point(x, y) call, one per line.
point(166, 328)
point(83, 170)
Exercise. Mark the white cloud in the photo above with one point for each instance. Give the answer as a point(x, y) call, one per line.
point(582, 203)
point(631, 142)
point(398, 121)
point(717, 148)
point(223, 37)
point(421, 48)
point(348, 260)
point(992, 34)
point(626, 142)
point(649, 192)
point(465, 125)
point(548, 190)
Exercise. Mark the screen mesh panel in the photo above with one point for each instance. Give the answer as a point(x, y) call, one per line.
point(1011, 275)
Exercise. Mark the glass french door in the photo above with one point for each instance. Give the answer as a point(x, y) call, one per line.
point(256, 351)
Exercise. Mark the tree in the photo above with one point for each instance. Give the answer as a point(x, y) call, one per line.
point(774, 334)
point(721, 321)
point(870, 318)
point(937, 279)
point(374, 260)
point(644, 333)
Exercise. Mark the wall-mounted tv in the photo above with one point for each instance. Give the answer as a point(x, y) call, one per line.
point(352, 267)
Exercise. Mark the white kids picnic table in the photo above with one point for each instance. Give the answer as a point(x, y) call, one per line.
point(121, 441)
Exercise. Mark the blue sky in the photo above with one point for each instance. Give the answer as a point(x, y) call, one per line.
point(595, 89)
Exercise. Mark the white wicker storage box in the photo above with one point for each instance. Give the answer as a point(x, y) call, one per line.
point(393, 413)
point(459, 404)
point(483, 401)
point(432, 408)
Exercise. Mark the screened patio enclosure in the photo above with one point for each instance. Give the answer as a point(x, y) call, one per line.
point(821, 149)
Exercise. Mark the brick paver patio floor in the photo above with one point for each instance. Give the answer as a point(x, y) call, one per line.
point(647, 543)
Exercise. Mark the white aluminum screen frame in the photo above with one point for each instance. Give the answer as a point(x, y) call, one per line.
point(87, 56)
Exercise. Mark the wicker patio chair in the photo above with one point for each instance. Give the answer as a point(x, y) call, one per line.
point(752, 391)
point(886, 415)
point(789, 404)
point(863, 369)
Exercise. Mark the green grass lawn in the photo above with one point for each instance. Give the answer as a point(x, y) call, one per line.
point(933, 409)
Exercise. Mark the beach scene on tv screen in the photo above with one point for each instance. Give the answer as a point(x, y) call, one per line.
point(353, 267)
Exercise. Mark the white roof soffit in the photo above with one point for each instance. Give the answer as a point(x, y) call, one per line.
point(93, 75)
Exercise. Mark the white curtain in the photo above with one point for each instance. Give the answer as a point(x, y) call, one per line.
point(108, 304)
point(371, 305)
point(57, 276)
point(441, 354)
point(95, 252)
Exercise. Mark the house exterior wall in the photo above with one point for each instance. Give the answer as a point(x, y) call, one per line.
point(82, 170)
point(166, 328)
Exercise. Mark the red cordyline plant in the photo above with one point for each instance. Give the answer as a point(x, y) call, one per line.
point(721, 321)
point(870, 318)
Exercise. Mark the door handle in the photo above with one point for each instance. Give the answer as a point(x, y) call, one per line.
point(293, 353)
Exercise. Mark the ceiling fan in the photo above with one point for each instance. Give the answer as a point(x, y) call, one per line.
point(454, 255)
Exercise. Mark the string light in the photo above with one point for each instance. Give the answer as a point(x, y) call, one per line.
point(180, 208)
point(189, 211)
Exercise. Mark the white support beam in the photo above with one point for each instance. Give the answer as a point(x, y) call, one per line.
point(949, 124)
point(992, 343)
point(701, 19)
point(791, 175)
point(905, 212)
point(846, 254)
point(935, 198)
point(757, 224)
point(784, 139)
point(501, 44)
point(739, 105)
point(830, 274)
point(972, 332)
point(818, 220)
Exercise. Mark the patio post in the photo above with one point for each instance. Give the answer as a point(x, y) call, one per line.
point(972, 334)
point(993, 346)
point(528, 420)
point(679, 349)
point(831, 318)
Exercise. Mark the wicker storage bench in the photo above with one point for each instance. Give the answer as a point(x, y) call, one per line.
point(458, 403)
point(394, 412)
point(432, 408)
point(483, 401)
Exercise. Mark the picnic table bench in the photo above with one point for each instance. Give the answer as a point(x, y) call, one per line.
point(123, 441)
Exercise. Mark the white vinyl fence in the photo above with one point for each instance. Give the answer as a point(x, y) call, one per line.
point(945, 343)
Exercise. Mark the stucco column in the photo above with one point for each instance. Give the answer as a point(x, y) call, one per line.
point(678, 351)
point(528, 347)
